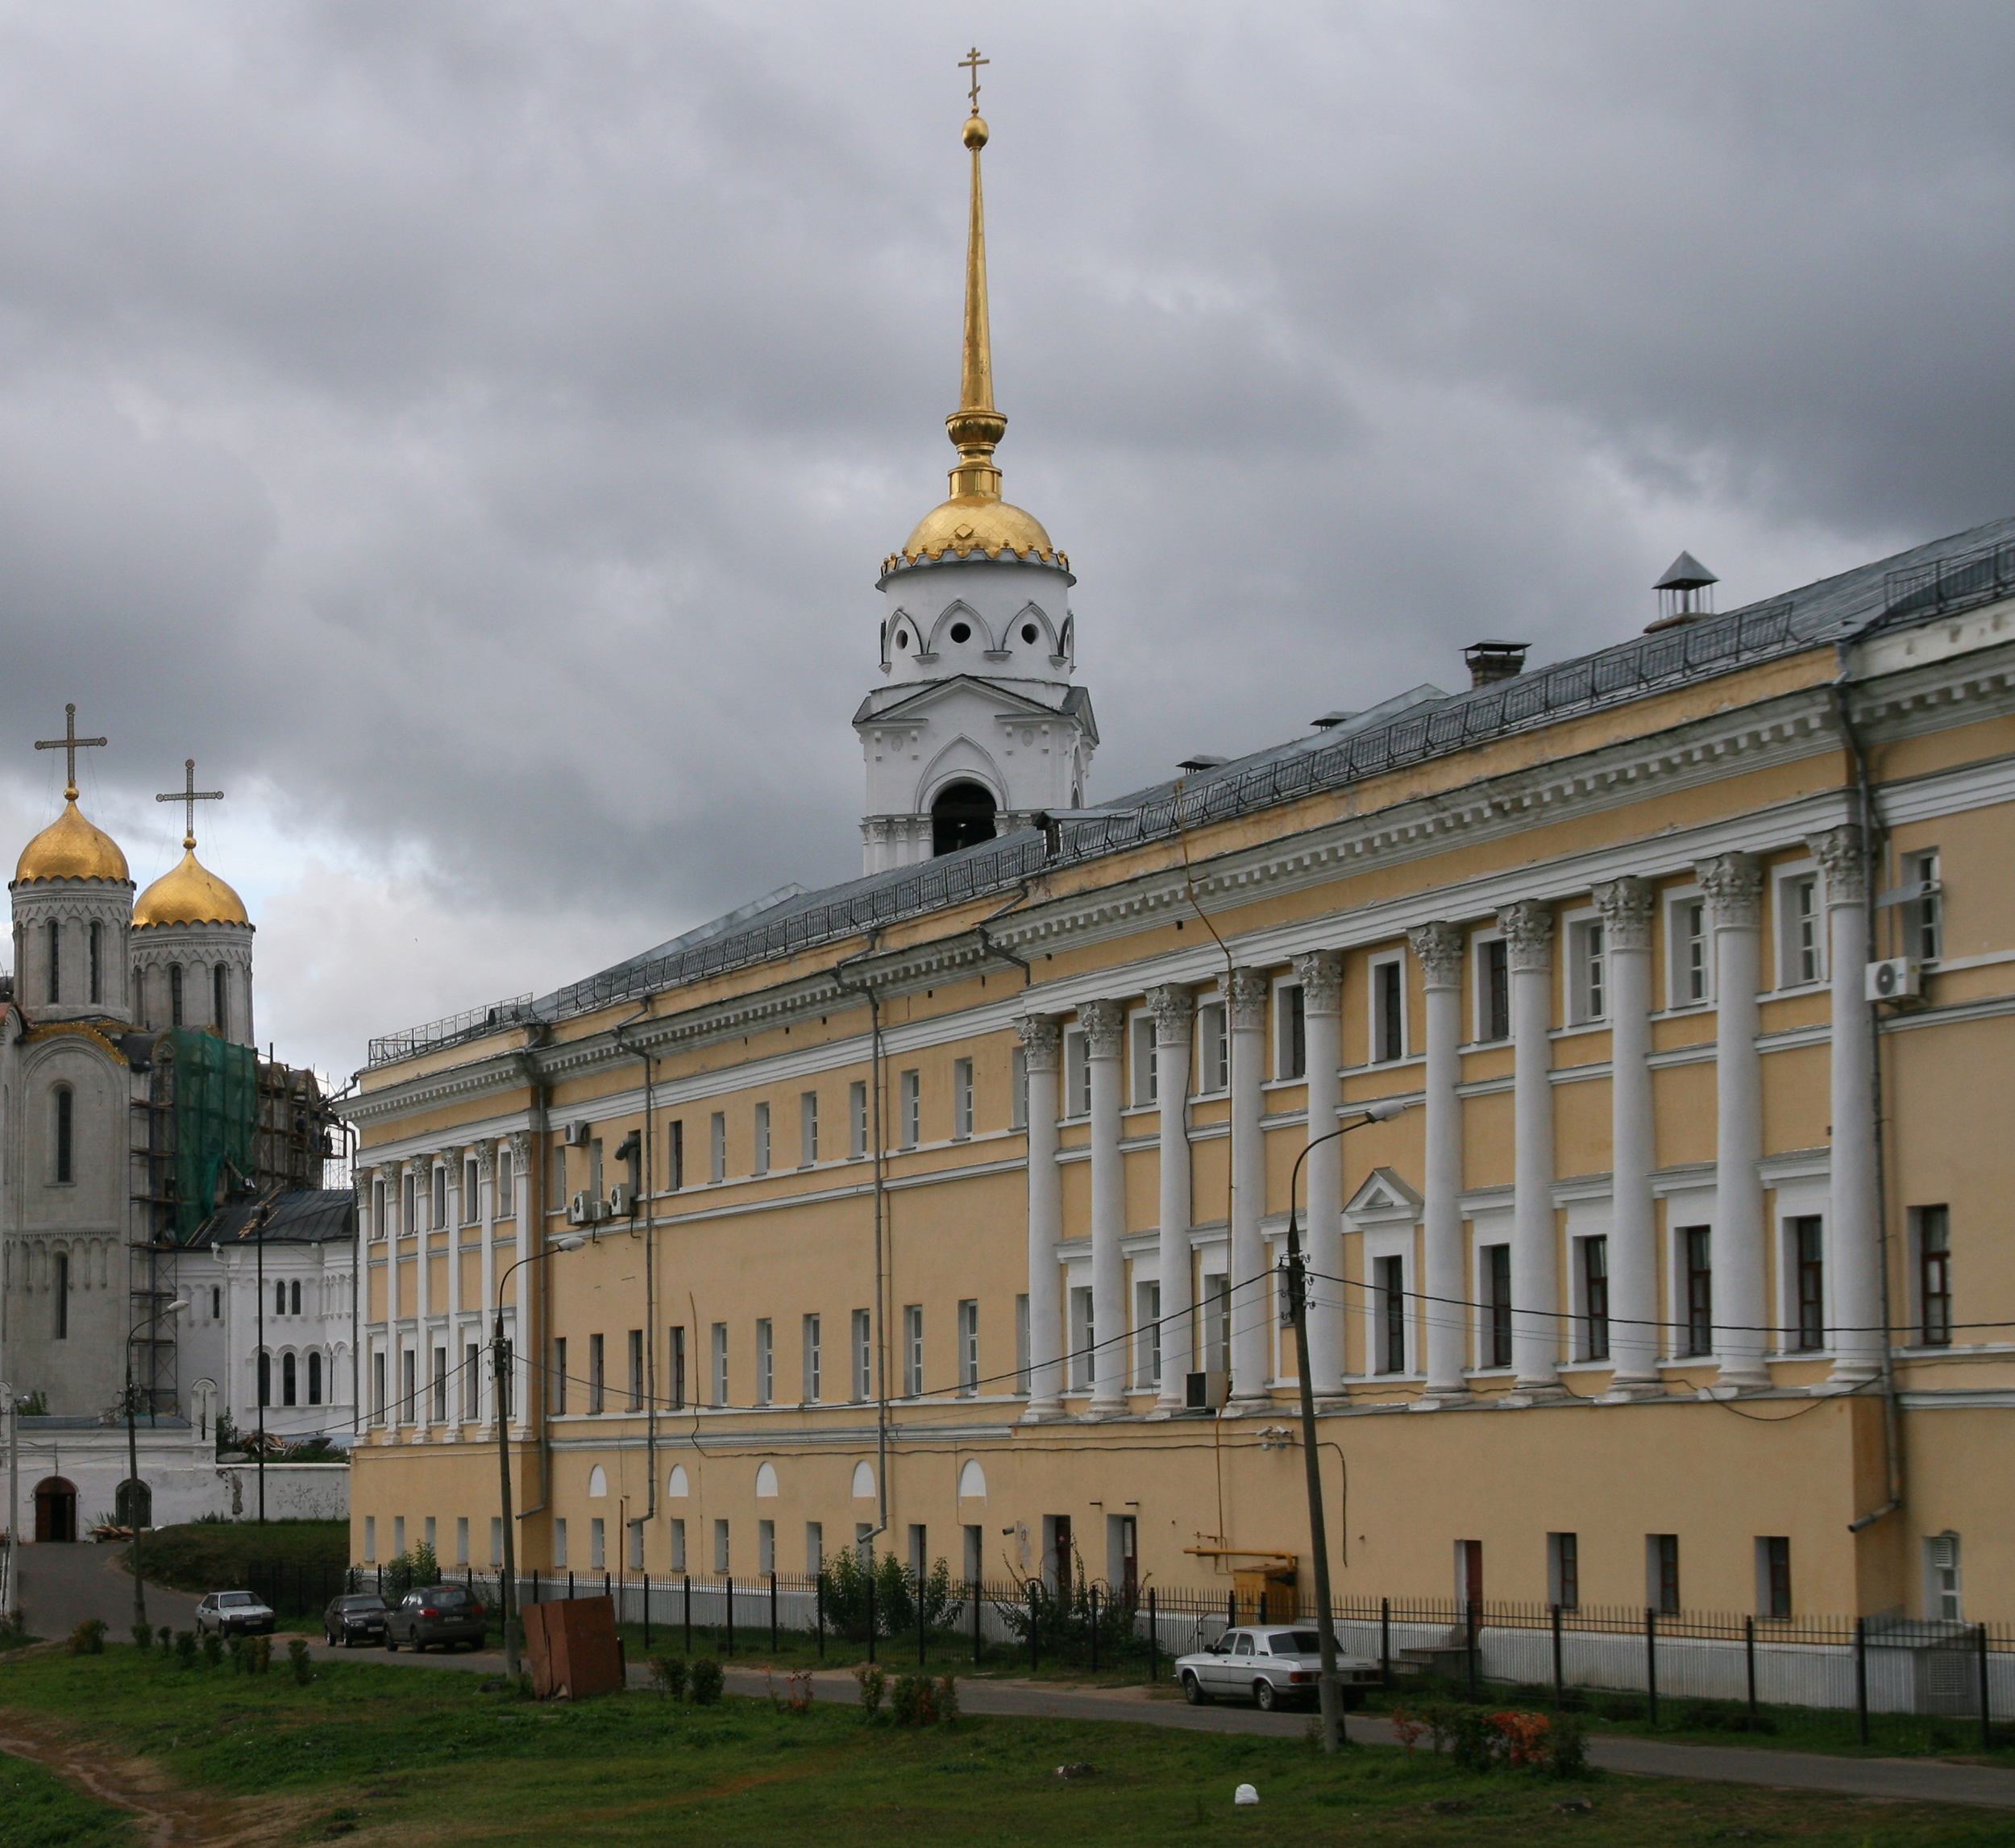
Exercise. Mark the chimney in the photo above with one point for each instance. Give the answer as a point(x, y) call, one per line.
point(1685, 594)
point(1490, 662)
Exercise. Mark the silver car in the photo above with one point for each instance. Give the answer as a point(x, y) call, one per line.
point(1275, 1667)
point(234, 1613)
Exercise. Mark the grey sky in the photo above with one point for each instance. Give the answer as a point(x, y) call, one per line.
point(473, 431)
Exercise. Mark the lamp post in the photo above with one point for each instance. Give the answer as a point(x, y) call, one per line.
point(501, 1358)
point(1318, 1535)
point(133, 1510)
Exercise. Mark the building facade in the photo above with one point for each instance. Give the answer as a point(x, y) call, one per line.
point(941, 1211)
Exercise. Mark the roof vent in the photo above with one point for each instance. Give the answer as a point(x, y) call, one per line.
point(1329, 718)
point(1490, 662)
point(1685, 593)
point(1201, 761)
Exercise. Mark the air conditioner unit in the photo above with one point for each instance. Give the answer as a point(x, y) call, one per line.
point(1897, 979)
point(622, 1201)
point(577, 1135)
point(1207, 1392)
point(580, 1210)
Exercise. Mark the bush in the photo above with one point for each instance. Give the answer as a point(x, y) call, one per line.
point(705, 1680)
point(166, 1637)
point(186, 1647)
point(844, 1583)
point(88, 1638)
point(1566, 1754)
point(669, 1672)
point(1065, 1619)
point(874, 1685)
point(948, 1699)
point(213, 1649)
point(142, 1636)
point(260, 1656)
point(298, 1660)
point(912, 1704)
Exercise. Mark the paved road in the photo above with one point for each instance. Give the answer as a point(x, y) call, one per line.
point(62, 1585)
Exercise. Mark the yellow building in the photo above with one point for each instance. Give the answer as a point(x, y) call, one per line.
point(941, 1210)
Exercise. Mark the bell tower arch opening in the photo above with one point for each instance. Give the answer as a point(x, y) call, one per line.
point(962, 816)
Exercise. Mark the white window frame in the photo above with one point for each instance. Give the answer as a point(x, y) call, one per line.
point(717, 1148)
point(857, 1125)
point(808, 1129)
point(1374, 1054)
point(962, 1100)
point(766, 1360)
point(1143, 1078)
point(765, 1548)
point(721, 1554)
point(1018, 1088)
point(1786, 881)
point(762, 1162)
point(912, 1350)
point(1479, 989)
point(814, 1358)
point(1923, 917)
point(1076, 1074)
point(1147, 1333)
point(1213, 1048)
point(718, 1381)
point(1484, 1229)
point(1082, 1335)
point(1677, 905)
point(1794, 1200)
point(1022, 1374)
point(1584, 969)
point(678, 1542)
point(969, 1345)
point(861, 1341)
point(909, 1090)
point(1282, 1013)
point(1390, 1234)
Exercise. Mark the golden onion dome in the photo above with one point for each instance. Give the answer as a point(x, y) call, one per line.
point(190, 894)
point(969, 523)
point(70, 847)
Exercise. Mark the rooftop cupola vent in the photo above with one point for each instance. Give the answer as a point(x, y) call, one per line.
point(1685, 593)
point(1490, 662)
point(1203, 760)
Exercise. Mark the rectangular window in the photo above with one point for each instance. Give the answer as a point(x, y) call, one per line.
point(675, 1156)
point(1691, 965)
point(969, 1346)
point(675, 1385)
point(1799, 920)
point(370, 1539)
point(1143, 1085)
point(471, 1382)
point(910, 1122)
point(1018, 1087)
point(1942, 1587)
point(678, 1544)
point(555, 1182)
point(1773, 1575)
point(597, 1361)
point(863, 1357)
point(1084, 1336)
point(496, 1539)
point(471, 1192)
point(506, 1208)
point(766, 1548)
point(1147, 1336)
point(1290, 1032)
point(377, 1208)
point(717, 1147)
point(766, 1362)
point(597, 1542)
point(814, 1548)
point(1661, 1573)
point(1213, 1050)
point(1493, 1001)
point(1021, 1343)
point(559, 1543)
point(1696, 1245)
point(1808, 1254)
point(636, 1369)
point(912, 1350)
point(761, 1164)
point(1388, 1011)
point(1587, 965)
point(1217, 1324)
point(636, 1556)
point(807, 1128)
point(398, 1535)
point(1077, 1073)
point(1924, 918)
point(1564, 1570)
point(813, 1361)
point(559, 1377)
point(409, 1393)
point(962, 1098)
point(1390, 1308)
point(857, 1120)
point(439, 1220)
point(1496, 1265)
point(720, 1362)
point(720, 1548)
point(1934, 1229)
point(377, 1389)
point(1595, 1297)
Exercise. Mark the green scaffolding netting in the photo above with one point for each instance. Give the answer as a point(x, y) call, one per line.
point(216, 1104)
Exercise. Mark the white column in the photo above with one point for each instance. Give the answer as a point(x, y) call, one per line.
point(421, 1167)
point(1251, 1288)
point(521, 1324)
point(1535, 1339)
point(1439, 948)
point(1174, 1009)
point(486, 1262)
point(391, 1230)
point(1627, 905)
point(1855, 1224)
point(1105, 1030)
point(1043, 1040)
point(1734, 885)
point(456, 1158)
point(1321, 975)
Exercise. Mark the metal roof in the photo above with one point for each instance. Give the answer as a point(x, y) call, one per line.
point(304, 1216)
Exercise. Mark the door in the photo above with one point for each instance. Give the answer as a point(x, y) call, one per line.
point(1234, 1670)
point(1063, 1576)
point(55, 1509)
point(1469, 1574)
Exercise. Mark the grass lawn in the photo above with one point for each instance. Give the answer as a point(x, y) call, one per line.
point(376, 1752)
point(39, 1810)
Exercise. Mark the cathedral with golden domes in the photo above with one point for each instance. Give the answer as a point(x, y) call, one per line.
point(163, 1207)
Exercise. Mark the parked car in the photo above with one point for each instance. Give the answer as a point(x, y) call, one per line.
point(234, 1613)
point(439, 1613)
point(1274, 1668)
point(359, 1618)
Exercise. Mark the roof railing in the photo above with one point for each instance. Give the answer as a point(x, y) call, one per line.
point(1954, 583)
point(472, 1023)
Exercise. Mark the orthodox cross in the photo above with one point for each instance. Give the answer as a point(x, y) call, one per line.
point(69, 744)
point(970, 64)
point(188, 795)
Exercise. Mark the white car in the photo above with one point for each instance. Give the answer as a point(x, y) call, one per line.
point(234, 1613)
point(1274, 1667)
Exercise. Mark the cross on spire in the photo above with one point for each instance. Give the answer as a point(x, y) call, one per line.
point(970, 64)
point(69, 744)
point(188, 795)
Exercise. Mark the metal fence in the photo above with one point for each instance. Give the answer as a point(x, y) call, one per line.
point(1950, 584)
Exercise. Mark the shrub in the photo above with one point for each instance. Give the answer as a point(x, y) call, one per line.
point(669, 1674)
point(874, 1685)
point(88, 1638)
point(705, 1681)
point(948, 1699)
point(1406, 1728)
point(911, 1704)
point(236, 1648)
point(298, 1660)
point(844, 1584)
point(213, 1649)
point(1566, 1754)
point(166, 1638)
point(186, 1647)
point(1522, 1738)
point(142, 1636)
point(259, 1657)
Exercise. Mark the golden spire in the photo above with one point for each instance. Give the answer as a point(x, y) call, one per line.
point(975, 427)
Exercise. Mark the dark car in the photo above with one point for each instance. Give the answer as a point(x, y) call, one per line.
point(234, 1613)
point(445, 1614)
point(358, 1618)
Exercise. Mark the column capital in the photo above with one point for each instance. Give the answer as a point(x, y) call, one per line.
point(1248, 1000)
point(1626, 906)
point(1528, 929)
point(1042, 1039)
point(1105, 1027)
point(1439, 947)
point(486, 1161)
point(1734, 885)
point(419, 1164)
point(1320, 973)
point(521, 1142)
point(1173, 1007)
point(1841, 857)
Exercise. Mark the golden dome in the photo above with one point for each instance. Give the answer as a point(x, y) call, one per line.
point(969, 523)
point(191, 894)
point(70, 847)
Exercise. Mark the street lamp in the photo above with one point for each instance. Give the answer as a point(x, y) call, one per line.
point(133, 1510)
point(1381, 1111)
point(500, 1357)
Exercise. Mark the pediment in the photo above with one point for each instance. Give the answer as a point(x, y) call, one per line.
point(1002, 699)
point(1383, 1192)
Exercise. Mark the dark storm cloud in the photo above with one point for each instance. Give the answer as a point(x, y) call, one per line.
point(476, 427)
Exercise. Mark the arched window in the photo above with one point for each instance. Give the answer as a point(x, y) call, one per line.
point(294, 1299)
point(134, 1503)
point(59, 1289)
point(287, 1390)
point(961, 816)
point(65, 1138)
point(315, 1379)
point(265, 1379)
point(220, 1009)
point(98, 961)
point(174, 994)
point(55, 961)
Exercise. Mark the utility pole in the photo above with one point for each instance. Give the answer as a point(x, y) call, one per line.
point(134, 1511)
